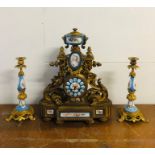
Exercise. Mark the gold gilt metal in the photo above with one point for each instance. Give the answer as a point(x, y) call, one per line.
point(94, 100)
point(75, 32)
point(125, 114)
point(27, 112)
point(21, 116)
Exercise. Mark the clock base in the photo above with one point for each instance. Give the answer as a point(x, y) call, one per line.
point(86, 113)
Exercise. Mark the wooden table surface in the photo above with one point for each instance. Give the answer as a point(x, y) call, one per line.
point(78, 134)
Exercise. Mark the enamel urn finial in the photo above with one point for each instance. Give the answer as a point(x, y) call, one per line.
point(75, 38)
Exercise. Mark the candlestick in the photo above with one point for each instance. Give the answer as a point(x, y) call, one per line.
point(130, 112)
point(22, 111)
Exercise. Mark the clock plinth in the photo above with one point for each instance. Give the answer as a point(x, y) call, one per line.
point(75, 94)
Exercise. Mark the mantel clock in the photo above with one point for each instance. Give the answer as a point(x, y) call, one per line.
point(75, 94)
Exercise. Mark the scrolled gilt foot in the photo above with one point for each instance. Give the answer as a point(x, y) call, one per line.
point(21, 115)
point(131, 116)
point(32, 118)
point(9, 118)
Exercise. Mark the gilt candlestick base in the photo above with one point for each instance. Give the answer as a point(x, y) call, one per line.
point(22, 115)
point(131, 116)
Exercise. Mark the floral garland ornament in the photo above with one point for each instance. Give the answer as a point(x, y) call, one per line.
point(22, 111)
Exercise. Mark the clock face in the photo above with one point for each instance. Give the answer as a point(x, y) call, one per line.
point(75, 87)
point(75, 60)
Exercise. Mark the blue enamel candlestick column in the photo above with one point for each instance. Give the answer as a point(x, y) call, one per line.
point(22, 111)
point(131, 112)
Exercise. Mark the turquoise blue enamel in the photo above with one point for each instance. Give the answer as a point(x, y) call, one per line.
point(75, 38)
point(132, 84)
point(130, 108)
point(75, 87)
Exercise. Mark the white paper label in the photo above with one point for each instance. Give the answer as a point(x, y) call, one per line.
point(75, 114)
point(99, 112)
point(50, 111)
